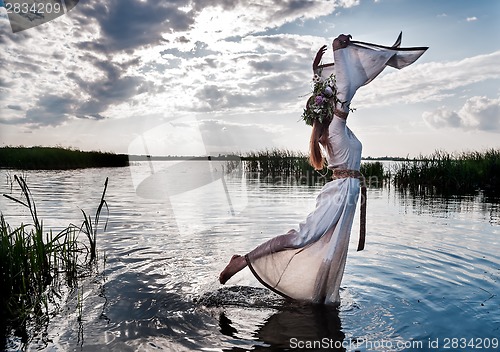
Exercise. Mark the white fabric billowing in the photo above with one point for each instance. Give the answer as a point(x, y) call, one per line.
point(359, 63)
point(308, 263)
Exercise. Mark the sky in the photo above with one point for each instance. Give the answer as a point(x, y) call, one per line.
point(193, 77)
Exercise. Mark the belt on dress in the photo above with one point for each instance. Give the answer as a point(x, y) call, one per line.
point(340, 113)
point(343, 173)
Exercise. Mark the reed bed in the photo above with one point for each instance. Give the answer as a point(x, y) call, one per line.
point(445, 173)
point(51, 158)
point(35, 263)
point(281, 165)
point(375, 173)
point(441, 173)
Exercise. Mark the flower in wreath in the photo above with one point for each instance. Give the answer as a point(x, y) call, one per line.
point(321, 104)
point(328, 91)
point(318, 100)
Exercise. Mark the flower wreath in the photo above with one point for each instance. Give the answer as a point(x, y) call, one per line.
point(321, 104)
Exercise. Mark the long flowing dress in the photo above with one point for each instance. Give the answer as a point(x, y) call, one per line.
point(308, 263)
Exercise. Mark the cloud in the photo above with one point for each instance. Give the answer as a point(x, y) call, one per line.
point(125, 25)
point(471, 19)
point(129, 24)
point(50, 110)
point(4, 83)
point(130, 53)
point(433, 81)
point(81, 98)
point(87, 91)
point(478, 113)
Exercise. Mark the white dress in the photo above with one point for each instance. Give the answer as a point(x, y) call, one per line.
point(308, 263)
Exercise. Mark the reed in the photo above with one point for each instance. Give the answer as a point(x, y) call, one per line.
point(445, 173)
point(440, 173)
point(375, 173)
point(89, 227)
point(33, 264)
point(277, 165)
point(51, 158)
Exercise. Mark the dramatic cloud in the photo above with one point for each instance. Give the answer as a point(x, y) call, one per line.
point(114, 64)
point(50, 110)
point(478, 113)
point(129, 24)
point(432, 81)
point(126, 25)
point(113, 56)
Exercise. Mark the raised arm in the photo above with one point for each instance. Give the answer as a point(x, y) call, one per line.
point(317, 59)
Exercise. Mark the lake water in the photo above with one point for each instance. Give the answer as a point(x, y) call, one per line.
point(427, 280)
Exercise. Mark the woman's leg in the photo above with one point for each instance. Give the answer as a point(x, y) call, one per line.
point(315, 225)
point(236, 264)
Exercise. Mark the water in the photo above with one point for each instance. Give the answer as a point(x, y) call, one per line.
point(427, 280)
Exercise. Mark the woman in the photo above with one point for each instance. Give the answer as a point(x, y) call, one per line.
point(308, 263)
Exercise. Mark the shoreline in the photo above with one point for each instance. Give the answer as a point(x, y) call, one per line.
point(57, 158)
point(438, 173)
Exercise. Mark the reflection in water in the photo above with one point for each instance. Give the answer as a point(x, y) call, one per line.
point(225, 325)
point(430, 269)
point(446, 206)
point(305, 325)
point(283, 324)
point(313, 327)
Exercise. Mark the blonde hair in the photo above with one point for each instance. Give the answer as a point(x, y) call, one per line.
point(319, 136)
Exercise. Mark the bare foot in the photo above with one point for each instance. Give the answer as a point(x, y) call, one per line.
point(236, 263)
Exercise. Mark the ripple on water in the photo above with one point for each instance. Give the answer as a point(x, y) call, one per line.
point(426, 272)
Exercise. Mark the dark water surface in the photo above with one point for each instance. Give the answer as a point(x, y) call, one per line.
point(428, 279)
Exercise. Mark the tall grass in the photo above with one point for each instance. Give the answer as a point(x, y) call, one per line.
point(89, 227)
point(48, 158)
point(375, 173)
point(440, 173)
point(33, 263)
point(445, 173)
point(279, 164)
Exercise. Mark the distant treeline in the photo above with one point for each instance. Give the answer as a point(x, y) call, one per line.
point(54, 158)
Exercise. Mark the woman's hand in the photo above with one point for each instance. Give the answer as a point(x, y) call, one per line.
point(342, 41)
point(318, 57)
